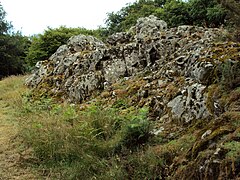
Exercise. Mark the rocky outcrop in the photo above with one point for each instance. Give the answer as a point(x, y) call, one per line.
point(175, 66)
point(189, 82)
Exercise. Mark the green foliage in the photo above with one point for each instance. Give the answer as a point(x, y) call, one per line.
point(207, 13)
point(229, 73)
point(44, 45)
point(136, 131)
point(216, 15)
point(234, 149)
point(82, 144)
point(92, 142)
point(233, 16)
point(233, 7)
point(106, 122)
point(127, 16)
point(13, 48)
point(175, 12)
point(121, 103)
point(4, 25)
point(145, 165)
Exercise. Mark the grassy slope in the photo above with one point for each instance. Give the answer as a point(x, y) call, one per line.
point(11, 149)
point(90, 142)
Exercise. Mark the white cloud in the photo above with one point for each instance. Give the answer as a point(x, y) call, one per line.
point(33, 16)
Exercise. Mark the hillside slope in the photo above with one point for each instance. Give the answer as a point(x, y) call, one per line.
point(186, 79)
point(12, 150)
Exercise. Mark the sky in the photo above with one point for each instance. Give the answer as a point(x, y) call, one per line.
point(34, 16)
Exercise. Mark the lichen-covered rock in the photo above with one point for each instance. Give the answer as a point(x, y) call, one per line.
point(39, 74)
point(176, 66)
point(148, 28)
point(190, 104)
point(73, 70)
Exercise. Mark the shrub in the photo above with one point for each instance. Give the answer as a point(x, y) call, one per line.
point(44, 45)
point(137, 130)
point(145, 165)
point(230, 74)
point(79, 144)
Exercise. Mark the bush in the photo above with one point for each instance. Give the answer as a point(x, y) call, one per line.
point(208, 13)
point(137, 130)
point(13, 47)
point(44, 45)
point(229, 74)
point(12, 52)
point(79, 144)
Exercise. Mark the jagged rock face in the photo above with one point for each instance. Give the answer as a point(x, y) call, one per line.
point(86, 65)
point(73, 69)
point(190, 104)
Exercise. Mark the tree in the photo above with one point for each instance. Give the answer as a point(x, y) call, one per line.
point(174, 12)
point(127, 16)
point(44, 45)
point(233, 16)
point(13, 50)
point(207, 13)
point(233, 7)
point(13, 47)
point(4, 25)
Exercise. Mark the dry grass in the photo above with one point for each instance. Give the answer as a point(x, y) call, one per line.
point(11, 90)
point(11, 166)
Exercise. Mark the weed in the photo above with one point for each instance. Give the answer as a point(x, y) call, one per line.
point(234, 149)
point(145, 164)
point(230, 73)
point(64, 138)
point(121, 103)
point(137, 130)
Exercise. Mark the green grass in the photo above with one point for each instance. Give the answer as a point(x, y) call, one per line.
point(11, 90)
point(233, 148)
point(107, 142)
point(82, 144)
point(12, 149)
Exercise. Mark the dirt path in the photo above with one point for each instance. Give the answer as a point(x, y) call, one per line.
point(11, 163)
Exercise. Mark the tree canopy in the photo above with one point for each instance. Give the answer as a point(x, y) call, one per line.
point(13, 48)
point(4, 25)
point(44, 45)
point(209, 13)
